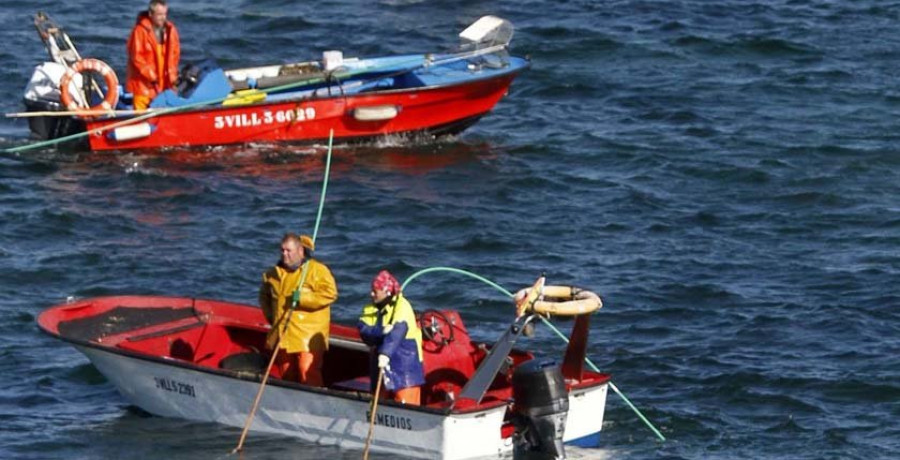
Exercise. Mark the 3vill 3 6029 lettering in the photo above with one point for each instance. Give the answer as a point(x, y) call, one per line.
point(264, 117)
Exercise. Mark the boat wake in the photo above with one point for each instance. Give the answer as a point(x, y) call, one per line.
point(410, 140)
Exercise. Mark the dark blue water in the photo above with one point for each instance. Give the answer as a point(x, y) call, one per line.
point(725, 174)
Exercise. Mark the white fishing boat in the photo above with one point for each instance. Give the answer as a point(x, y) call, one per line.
point(204, 360)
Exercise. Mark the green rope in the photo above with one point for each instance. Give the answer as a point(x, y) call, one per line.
point(295, 300)
point(182, 108)
point(611, 384)
point(456, 270)
point(410, 65)
point(70, 137)
point(548, 323)
point(324, 187)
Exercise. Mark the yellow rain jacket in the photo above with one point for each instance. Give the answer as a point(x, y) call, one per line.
point(308, 328)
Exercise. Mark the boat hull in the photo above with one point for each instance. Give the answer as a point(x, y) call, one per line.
point(181, 392)
point(175, 357)
point(169, 390)
point(436, 110)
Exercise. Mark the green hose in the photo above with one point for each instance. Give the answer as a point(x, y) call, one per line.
point(296, 296)
point(611, 384)
point(324, 187)
point(455, 270)
point(548, 323)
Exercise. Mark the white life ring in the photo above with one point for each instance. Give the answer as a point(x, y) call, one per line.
point(562, 301)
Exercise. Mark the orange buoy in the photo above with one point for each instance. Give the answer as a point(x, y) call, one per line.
point(90, 65)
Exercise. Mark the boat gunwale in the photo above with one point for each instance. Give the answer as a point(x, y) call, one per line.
point(94, 122)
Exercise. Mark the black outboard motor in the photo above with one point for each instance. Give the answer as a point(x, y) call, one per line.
point(541, 407)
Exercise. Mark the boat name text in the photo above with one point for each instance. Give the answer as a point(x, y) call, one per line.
point(175, 386)
point(391, 421)
point(266, 117)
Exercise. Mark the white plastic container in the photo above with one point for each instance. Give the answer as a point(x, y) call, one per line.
point(332, 59)
point(130, 132)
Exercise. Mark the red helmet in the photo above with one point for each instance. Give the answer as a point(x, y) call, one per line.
point(384, 281)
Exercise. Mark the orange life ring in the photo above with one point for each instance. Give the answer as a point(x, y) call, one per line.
point(562, 301)
point(91, 65)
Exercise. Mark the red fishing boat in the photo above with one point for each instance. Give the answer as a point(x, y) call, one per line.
point(357, 99)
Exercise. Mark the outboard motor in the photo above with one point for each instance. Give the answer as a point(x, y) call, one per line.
point(487, 32)
point(539, 414)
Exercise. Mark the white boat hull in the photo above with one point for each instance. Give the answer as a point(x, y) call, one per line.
point(319, 416)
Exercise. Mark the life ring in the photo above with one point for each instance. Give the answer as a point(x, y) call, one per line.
point(90, 65)
point(562, 301)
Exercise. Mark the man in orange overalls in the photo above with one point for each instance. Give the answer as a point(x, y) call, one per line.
point(153, 54)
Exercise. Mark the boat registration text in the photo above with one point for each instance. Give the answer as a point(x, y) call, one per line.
point(265, 117)
point(175, 386)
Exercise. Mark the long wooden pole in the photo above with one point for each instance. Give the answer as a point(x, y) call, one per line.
point(372, 416)
point(259, 393)
point(287, 315)
point(69, 113)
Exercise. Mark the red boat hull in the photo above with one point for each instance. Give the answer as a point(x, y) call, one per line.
point(437, 110)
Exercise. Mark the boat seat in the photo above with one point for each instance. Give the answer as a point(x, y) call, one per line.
point(361, 384)
point(248, 361)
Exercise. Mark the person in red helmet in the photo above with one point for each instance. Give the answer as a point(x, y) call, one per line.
point(388, 325)
point(153, 53)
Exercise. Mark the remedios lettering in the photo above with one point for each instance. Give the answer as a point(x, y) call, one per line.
point(391, 421)
point(175, 386)
point(264, 117)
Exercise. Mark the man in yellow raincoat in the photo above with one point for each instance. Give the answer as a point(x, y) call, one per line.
point(301, 350)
